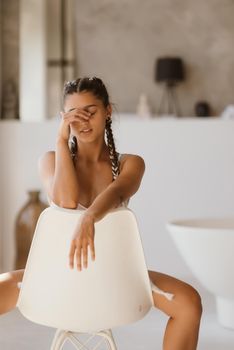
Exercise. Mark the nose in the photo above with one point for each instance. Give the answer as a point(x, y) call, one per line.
point(84, 124)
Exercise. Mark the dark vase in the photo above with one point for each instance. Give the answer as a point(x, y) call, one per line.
point(25, 226)
point(202, 109)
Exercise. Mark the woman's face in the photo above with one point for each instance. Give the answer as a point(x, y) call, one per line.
point(97, 120)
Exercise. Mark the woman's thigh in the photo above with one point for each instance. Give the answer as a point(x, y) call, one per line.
point(186, 298)
point(9, 290)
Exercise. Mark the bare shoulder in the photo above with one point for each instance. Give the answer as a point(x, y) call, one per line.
point(131, 160)
point(132, 167)
point(46, 159)
point(47, 156)
point(46, 166)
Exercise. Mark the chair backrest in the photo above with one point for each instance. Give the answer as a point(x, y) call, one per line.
point(115, 288)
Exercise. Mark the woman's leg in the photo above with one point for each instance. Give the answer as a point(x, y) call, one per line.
point(9, 290)
point(184, 310)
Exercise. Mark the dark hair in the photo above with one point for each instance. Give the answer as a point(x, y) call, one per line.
point(98, 89)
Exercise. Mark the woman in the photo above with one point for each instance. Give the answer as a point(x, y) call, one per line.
point(87, 173)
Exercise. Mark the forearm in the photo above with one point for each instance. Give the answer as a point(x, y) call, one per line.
point(103, 203)
point(65, 189)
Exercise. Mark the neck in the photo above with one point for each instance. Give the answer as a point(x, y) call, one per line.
point(93, 152)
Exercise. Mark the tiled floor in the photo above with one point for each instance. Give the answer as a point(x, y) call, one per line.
point(17, 333)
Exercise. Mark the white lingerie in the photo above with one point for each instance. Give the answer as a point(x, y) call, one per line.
point(154, 288)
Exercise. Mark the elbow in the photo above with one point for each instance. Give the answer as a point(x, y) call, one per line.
point(68, 205)
point(67, 201)
point(63, 203)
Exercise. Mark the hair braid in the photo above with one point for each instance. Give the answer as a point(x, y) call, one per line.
point(95, 86)
point(112, 151)
point(73, 148)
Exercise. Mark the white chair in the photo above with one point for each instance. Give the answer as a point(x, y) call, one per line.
point(113, 291)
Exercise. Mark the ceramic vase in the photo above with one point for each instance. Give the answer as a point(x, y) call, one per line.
point(25, 226)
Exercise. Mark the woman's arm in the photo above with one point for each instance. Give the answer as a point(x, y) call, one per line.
point(125, 185)
point(56, 169)
point(58, 175)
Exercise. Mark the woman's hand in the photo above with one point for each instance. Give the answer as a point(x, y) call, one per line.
point(82, 239)
point(74, 115)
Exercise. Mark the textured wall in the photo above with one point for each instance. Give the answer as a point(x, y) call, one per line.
point(0, 56)
point(9, 27)
point(119, 41)
point(10, 38)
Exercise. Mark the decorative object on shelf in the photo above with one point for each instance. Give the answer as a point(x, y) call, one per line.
point(170, 71)
point(10, 106)
point(202, 109)
point(25, 226)
point(228, 113)
point(143, 108)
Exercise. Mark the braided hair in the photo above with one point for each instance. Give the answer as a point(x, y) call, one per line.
point(98, 89)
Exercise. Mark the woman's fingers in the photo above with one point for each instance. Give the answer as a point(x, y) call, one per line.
point(92, 249)
point(80, 250)
point(79, 113)
point(71, 254)
point(75, 250)
point(78, 255)
point(83, 113)
point(85, 254)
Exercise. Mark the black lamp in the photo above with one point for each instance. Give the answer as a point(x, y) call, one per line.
point(170, 71)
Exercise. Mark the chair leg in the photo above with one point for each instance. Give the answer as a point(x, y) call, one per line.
point(107, 334)
point(76, 342)
point(61, 336)
point(59, 339)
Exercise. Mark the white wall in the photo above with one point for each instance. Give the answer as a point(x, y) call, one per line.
point(33, 101)
point(189, 173)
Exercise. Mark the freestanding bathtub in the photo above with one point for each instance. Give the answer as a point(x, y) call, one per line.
point(207, 246)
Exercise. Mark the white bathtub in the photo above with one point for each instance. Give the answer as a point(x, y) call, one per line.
point(207, 246)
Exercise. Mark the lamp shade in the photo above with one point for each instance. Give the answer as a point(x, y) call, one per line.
point(169, 69)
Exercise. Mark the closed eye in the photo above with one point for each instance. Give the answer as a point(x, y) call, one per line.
point(89, 110)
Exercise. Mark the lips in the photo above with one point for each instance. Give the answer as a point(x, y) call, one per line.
point(86, 130)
